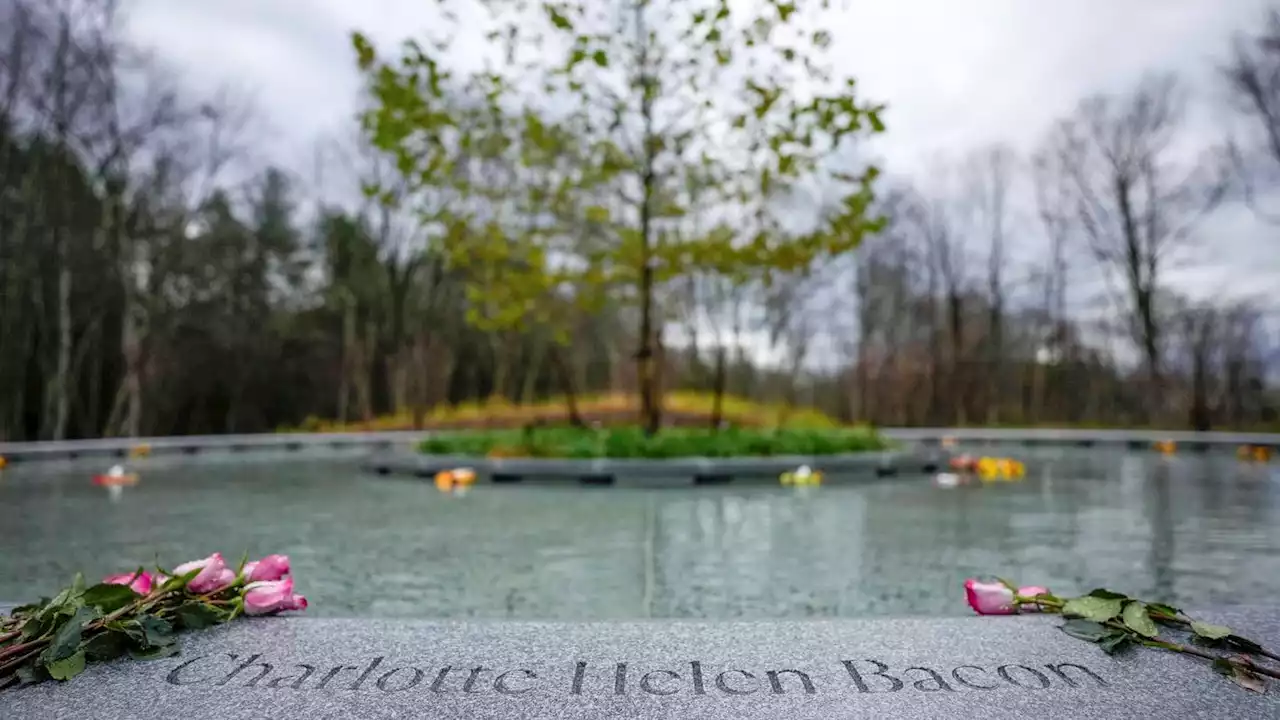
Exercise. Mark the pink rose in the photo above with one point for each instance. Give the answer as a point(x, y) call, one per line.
point(214, 574)
point(271, 596)
point(139, 582)
point(993, 598)
point(271, 567)
point(1031, 591)
point(989, 598)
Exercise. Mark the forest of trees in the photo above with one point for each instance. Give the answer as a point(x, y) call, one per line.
point(153, 281)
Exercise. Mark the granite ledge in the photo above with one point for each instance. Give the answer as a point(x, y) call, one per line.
point(997, 668)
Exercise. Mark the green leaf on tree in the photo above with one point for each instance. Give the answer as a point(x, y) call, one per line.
point(1092, 608)
point(109, 597)
point(600, 58)
point(66, 668)
point(1136, 619)
point(557, 18)
point(1086, 630)
point(1209, 631)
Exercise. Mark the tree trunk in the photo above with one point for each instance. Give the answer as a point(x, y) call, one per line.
point(347, 365)
point(61, 396)
point(532, 370)
point(566, 379)
point(720, 381)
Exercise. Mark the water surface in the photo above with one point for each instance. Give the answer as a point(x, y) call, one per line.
point(1193, 530)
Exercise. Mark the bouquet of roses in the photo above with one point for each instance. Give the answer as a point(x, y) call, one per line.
point(138, 614)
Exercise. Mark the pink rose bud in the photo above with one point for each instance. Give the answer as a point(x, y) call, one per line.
point(271, 567)
point(1031, 591)
point(990, 598)
point(139, 582)
point(272, 596)
point(214, 574)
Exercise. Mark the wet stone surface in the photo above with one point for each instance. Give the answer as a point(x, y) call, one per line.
point(993, 668)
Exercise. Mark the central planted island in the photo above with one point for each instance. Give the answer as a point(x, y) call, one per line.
point(672, 457)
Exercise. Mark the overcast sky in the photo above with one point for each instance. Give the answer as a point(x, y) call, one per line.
point(956, 75)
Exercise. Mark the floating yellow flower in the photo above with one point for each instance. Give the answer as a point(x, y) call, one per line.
point(1166, 447)
point(803, 475)
point(1255, 453)
point(993, 468)
point(138, 451)
point(457, 478)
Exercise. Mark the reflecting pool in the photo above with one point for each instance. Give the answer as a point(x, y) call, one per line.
point(1195, 530)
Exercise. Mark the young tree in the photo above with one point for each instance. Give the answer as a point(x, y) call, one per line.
point(665, 90)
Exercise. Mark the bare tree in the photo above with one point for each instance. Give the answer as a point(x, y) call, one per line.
point(1056, 208)
point(990, 174)
point(1253, 81)
point(1136, 206)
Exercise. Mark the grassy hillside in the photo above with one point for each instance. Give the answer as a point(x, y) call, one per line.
point(683, 409)
point(631, 442)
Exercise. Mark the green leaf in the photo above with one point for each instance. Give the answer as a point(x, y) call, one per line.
point(24, 610)
point(36, 627)
point(1162, 609)
point(557, 18)
point(1092, 608)
point(1244, 644)
point(155, 632)
point(1086, 630)
point(155, 653)
point(108, 598)
point(597, 214)
point(1222, 667)
point(66, 668)
point(31, 674)
point(1106, 594)
point(177, 582)
point(600, 58)
point(67, 639)
point(1208, 631)
point(197, 616)
point(1114, 643)
point(1136, 619)
point(106, 645)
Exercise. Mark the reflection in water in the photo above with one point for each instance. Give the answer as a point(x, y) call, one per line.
point(1191, 529)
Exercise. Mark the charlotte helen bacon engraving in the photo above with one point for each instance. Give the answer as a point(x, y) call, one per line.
point(863, 675)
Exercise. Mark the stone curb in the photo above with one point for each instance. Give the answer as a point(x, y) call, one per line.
point(673, 472)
